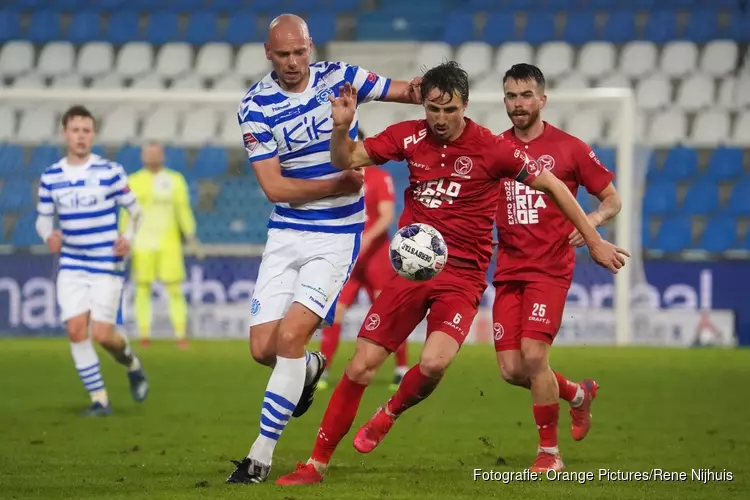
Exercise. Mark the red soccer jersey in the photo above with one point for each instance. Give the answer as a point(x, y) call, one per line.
point(532, 231)
point(378, 187)
point(453, 186)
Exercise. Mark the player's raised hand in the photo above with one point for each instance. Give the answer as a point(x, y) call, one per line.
point(607, 255)
point(121, 246)
point(54, 241)
point(351, 181)
point(344, 106)
point(415, 90)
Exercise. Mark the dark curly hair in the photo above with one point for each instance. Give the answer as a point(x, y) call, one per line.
point(526, 73)
point(449, 78)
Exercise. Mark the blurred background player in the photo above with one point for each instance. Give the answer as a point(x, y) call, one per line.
point(157, 253)
point(85, 191)
point(373, 269)
point(536, 258)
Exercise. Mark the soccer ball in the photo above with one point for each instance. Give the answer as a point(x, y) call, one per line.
point(418, 252)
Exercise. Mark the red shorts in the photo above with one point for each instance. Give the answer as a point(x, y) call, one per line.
point(452, 299)
point(373, 272)
point(526, 309)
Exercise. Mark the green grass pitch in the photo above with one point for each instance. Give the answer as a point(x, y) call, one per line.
point(675, 410)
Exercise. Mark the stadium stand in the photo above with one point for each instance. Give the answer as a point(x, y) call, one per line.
point(686, 59)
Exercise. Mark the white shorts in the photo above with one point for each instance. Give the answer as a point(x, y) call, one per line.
point(306, 267)
point(79, 292)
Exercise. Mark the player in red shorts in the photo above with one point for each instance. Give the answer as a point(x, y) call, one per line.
point(373, 269)
point(536, 257)
point(455, 166)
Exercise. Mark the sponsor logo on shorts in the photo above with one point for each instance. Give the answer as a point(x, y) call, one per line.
point(372, 322)
point(535, 319)
point(255, 307)
point(455, 327)
point(315, 301)
point(499, 331)
point(322, 295)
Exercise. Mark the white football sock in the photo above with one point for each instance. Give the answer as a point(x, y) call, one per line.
point(87, 364)
point(279, 401)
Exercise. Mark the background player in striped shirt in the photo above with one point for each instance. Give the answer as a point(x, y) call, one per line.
point(85, 191)
point(157, 253)
point(373, 269)
point(315, 228)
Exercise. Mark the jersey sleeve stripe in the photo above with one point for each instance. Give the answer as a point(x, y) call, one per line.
point(267, 100)
point(264, 156)
point(323, 213)
point(253, 116)
point(45, 199)
point(86, 215)
point(364, 91)
point(310, 172)
point(263, 136)
point(386, 86)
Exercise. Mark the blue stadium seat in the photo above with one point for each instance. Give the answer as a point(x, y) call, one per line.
point(11, 160)
point(580, 27)
point(123, 27)
point(542, 29)
point(210, 162)
point(725, 163)
point(202, 28)
point(15, 196)
point(268, 7)
point(10, 25)
point(185, 6)
point(739, 27)
point(322, 25)
point(85, 27)
point(500, 28)
point(162, 28)
point(702, 197)
point(739, 200)
point(193, 190)
point(619, 27)
point(660, 198)
point(44, 26)
point(607, 156)
point(702, 26)
point(43, 156)
point(675, 234)
point(661, 26)
point(481, 5)
point(242, 28)
point(107, 5)
point(461, 28)
point(344, 5)
point(226, 5)
point(24, 234)
point(129, 157)
point(175, 158)
point(681, 163)
point(390, 26)
point(604, 4)
point(643, 4)
point(720, 235)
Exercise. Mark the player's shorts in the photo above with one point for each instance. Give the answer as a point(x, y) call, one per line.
point(79, 292)
point(372, 273)
point(452, 299)
point(305, 267)
point(148, 266)
point(526, 309)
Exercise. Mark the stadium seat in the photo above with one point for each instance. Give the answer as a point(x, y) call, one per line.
point(94, 59)
point(653, 92)
point(638, 58)
point(667, 128)
point(24, 234)
point(710, 128)
point(725, 163)
point(241, 28)
point(7, 124)
point(11, 160)
point(70, 81)
point(323, 26)
point(10, 25)
point(741, 134)
point(16, 58)
point(42, 156)
point(542, 30)
point(85, 26)
point(719, 235)
point(191, 81)
point(134, 59)
point(123, 27)
point(230, 81)
point(174, 59)
point(619, 27)
point(702, 26)
point(615, 80)
point(739, 200)
point(129, 157)
point(431, 54)
point(681, 163)
point(37, 125)
point(556, 58)
point(108, 81)
point(596, 59)
point(175, 158)
point(119, 126)
point(499, 28)
point(738, 28)
point(210, 162)
point(742, 87)
point(251, 61)
point(29, 81)
point(675, 234)
point(580, 27)
point(161, 125)
point(149, 81)
point(461, 29)
point(199, 127)
point(661, 26)
point(512, 53)
point(679, 58)
point(587, 125)
point(719, 57)
point(15, 196)
point(229, 132)
point(702, 197)
point(56, 58)
point(475, 58)
point(696, 92)
point(162, 28)
point(202, 28)
point(660, 198)
point(573, 81)
point(213, 59)
point(44, 26)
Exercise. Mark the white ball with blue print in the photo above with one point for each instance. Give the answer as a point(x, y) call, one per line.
point(418, 252)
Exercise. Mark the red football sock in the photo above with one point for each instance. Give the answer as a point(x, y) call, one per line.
point(330, 342)
point(338, 418)
point(568, 389)
point(546, 417)
point(402, 356)
point(414, 387)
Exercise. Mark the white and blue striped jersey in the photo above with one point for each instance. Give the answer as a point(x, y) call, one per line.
point(86, 199)
point(297, 128)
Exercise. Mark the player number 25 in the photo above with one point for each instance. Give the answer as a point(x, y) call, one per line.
point(539, 310)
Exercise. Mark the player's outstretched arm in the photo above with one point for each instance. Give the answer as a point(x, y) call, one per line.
point(603, 252)
point(609, 206)
point(404, 92)
point(346, 154)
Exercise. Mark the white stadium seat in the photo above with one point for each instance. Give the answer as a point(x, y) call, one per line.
point(7, 123)
point(475, 58)
point(67, 82)
point(555, 59)
point(229, 133)
point(495, 119)
point(725, 95)
point(251, 61)
point(374, 119)
point(433, 53)
point(161, 125)
point(16, 58)
point(191, 81)
point(641, 128)
point(174, 59)
point(742, 90)
point(56, 58)
point(511, 53)
point(574, 81)
point(119, 126)
point(95, 58)
point(741, 134)
point(200, 127)
point(653, 92)
point(230, 81)
point(587, 125)
point(719, 57)
point(615, 80)
point(37, 125)
point(555, 115)
point(638, 59)
point(696, 92)
point(149, 81)
point(710, 128)
point(135, 58)
point(667, 128)
point(108, 81)
point(679, 58)
point(29, 81)
point(213, 59)
point(491, 82)
point(596, 59)
point(393, 59)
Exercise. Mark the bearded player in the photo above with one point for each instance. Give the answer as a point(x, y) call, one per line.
point(536, 257)
point(455, 167)
point(373, 269)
